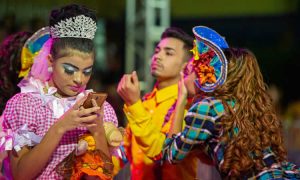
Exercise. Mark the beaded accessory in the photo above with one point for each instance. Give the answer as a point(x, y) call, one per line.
point(209, 62)
point(78, 27)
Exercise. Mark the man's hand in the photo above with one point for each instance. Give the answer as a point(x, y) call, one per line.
point(129, 88)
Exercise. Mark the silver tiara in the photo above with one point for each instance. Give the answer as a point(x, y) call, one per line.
point(79, 27)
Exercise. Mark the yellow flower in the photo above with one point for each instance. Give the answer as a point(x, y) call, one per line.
point(195, 51)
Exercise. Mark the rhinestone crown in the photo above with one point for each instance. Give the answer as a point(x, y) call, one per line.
point(79, 27)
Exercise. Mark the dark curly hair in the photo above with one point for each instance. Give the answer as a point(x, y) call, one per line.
point(254, 116)
point(10, 65)
point(61, 45)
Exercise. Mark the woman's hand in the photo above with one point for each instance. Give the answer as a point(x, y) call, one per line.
point(176, 125)
point(98, 131)
point(98, 128)
point(77, 116)
point(182, 91)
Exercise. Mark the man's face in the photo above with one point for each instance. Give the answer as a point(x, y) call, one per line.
point(168, 59)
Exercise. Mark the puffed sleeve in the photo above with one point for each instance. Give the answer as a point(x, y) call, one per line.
point(200, 127)
point(19, 122)
point(110, 114)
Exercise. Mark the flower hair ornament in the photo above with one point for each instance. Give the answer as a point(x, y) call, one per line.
point(209, 62)
point(78, 27)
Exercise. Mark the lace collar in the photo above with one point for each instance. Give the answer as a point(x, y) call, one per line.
point(49, 95)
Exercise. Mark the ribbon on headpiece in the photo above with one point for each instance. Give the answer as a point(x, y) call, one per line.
point(31, 49)
point(209, 62)
point(26, 61)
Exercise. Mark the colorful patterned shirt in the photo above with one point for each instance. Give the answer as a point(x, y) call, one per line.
point(202, 131)
point(31, 109)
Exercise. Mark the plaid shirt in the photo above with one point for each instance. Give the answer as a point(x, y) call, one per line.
point(202, 122)
point(24, 108)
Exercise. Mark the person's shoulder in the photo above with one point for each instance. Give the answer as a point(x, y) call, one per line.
point(208, 104)
point(21, 109)
point(23, 98)
point(107, 105)
point(18, 97)
point(206, 101)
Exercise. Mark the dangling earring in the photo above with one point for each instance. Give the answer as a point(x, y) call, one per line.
point(50, 69)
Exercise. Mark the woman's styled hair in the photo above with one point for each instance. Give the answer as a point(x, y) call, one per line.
point(61, 45)
point(253, 115)
point(10, 65)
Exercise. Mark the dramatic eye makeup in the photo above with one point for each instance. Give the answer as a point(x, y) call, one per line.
point(69, 69)
point(87, 71)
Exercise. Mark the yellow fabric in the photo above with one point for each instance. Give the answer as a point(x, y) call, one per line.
point(26, 61)
point(90, 141)
point(146, 135)
point(117, 165)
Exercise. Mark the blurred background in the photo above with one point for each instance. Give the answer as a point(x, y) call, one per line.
point(129, 29)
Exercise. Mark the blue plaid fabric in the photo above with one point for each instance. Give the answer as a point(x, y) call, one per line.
point(202, 131)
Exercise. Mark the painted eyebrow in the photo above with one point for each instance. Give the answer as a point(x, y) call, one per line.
point(75, 67)
point(68, 64)
point(87, 68)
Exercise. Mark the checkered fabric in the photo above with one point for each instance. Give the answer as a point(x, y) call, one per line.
point(202, 122)
point(24, 108)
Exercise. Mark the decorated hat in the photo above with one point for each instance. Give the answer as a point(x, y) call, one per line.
point(209, 62)
point(31, 48)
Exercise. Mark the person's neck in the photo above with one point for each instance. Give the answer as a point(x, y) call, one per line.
point(166, 83)
point(58, 93)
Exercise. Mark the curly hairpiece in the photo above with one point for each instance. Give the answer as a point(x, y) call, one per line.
point(259, 127)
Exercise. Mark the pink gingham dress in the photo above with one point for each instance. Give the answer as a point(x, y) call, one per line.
point(38, 113)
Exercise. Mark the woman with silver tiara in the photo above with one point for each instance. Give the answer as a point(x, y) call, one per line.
point(43, 123)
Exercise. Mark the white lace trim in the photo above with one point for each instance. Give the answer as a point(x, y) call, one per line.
point(10, 140)
point(58, 105)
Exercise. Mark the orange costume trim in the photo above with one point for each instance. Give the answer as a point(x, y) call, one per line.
point(93, 162)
